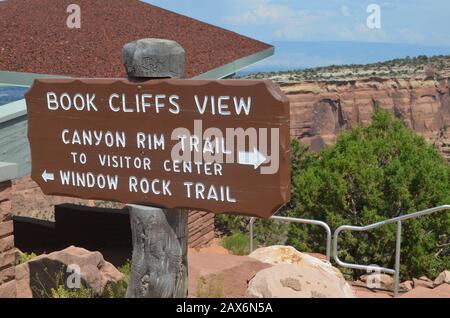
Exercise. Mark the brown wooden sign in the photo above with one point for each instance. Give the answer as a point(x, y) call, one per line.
point(219, 146)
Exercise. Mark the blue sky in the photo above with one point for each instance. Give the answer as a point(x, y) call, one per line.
point(424, 22)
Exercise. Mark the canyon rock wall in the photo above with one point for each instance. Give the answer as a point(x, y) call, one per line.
point(320, 110)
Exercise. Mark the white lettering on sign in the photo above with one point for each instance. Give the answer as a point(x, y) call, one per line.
point(211, 142)
point(220, 105)
point(143, 103)
point(194, 143)
point(88, 180)
point(148, 103)
point(150, 141)
point(200, 191)
point(124, 162)
point(67, 102)
point(190, 159)
point(188, 167)
point(145, 186)
point(94, 138)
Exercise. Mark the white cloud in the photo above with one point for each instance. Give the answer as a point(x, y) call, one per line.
point(285, 21)
point(263, 13)
point(388, 5)
point(346, 11)
point(305, 24)
point(403, 21)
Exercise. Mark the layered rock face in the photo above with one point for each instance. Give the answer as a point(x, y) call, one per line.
point(320, 110)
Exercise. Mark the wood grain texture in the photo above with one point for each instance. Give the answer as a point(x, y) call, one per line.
point(237, 184)
point(159, 267)
point(159, 263)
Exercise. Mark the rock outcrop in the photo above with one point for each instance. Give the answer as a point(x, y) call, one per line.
point(423, 282)
point(291, 281)
point(443, 278)
point(320, 110)
point(38, 276)
point(379, 281)
point(305, 276)
point(215, 273)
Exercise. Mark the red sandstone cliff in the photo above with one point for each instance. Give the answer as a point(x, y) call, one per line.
point(319, 110)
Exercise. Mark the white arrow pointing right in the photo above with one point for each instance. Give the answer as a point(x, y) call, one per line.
point(254, 158)
point(48, 176)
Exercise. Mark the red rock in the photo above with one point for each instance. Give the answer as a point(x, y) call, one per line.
point(6, 228)
point(362, 291)
point(7, 258)
point(378, 281)
point(320, 110)
point(220, 275)
point(367, 293)
point(442, 291)
point(308, 265)
point(442, 278)
point(407, 286)
point(423, 282)
point(7, 275)
point(8, 290)
point(6, 243)
point(39, 274)
point(293, 281)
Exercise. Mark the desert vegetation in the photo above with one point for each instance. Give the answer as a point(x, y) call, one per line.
point(420, 66)
point(372, 173)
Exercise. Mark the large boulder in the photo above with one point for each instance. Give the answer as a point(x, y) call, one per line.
point(291, 281)
point(37, 277)
point(443, 278)
point(378, 281)
point(407, 286)
point(424, 282)
point(306, 276)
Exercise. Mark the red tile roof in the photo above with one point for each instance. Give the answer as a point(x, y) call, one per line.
point(34, 37)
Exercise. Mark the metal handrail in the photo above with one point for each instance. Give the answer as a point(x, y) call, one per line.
point(295, 220)
point(398, 220)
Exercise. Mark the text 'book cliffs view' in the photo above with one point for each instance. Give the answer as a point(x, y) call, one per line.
point(233, 156)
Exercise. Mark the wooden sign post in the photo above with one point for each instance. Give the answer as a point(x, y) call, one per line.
point(218, 146)
point(159, 265)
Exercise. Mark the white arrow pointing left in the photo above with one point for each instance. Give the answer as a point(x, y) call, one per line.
point(48, 176)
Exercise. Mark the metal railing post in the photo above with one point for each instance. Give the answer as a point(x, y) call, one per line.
point(334, 239)
point(397, 257)
point(252, 220)
point(398, 220)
